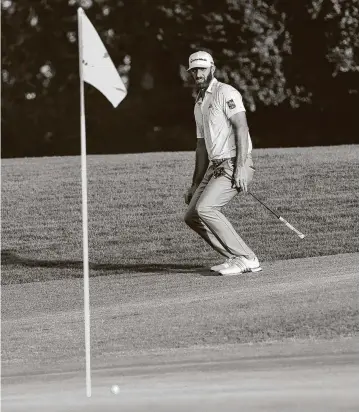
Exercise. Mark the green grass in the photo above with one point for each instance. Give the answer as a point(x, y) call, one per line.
point(305, 300)
point(136, 209)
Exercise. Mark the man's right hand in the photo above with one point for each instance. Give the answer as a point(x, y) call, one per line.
point(188, 195)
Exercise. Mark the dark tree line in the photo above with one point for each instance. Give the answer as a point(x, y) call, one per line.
point(295, 62)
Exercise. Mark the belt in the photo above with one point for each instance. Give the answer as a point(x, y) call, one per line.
point(219, 171)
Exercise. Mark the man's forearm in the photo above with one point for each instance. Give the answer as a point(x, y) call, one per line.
point(201, 165)
point(241, 137)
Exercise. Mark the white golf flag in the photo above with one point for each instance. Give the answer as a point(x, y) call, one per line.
point(97, 66)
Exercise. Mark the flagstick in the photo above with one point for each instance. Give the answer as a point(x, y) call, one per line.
point(84, 215)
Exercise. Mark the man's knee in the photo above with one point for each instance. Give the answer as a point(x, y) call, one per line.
point(204, 210)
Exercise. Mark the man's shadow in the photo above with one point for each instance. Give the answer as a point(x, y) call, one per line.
point(10, 257)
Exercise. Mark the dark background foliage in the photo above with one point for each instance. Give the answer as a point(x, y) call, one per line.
point(295, 62)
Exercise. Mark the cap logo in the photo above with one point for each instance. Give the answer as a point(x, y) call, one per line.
point(199, 58)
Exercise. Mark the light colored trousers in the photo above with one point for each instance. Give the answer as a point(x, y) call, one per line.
point(204, 211)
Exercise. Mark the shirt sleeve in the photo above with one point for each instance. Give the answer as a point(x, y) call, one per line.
point(232, 101)
point(199, 132)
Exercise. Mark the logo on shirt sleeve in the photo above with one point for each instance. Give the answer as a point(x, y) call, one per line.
point(231, 104)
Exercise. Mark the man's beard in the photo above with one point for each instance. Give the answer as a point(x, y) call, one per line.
point(206, 82)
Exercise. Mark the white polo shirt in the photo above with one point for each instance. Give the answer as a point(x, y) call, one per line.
point(212, 114)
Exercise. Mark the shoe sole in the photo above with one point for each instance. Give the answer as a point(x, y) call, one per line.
point(216, 270)
point(254, 270)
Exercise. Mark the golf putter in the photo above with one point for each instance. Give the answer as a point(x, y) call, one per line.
point(300, 234)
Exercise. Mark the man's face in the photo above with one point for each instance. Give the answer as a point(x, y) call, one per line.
point(202, 76)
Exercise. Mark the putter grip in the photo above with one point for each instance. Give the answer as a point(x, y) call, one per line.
point(291, 227)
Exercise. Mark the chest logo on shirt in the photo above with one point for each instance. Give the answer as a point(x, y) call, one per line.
point(231, 104)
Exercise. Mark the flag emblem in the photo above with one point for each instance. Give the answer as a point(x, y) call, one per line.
point(231, 104)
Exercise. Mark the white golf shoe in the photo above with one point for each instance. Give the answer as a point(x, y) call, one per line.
point(225, 265)
point(241, 265)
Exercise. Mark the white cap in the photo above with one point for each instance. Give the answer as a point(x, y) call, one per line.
point(200, 59)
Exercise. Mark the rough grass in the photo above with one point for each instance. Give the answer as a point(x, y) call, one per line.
point(136, 211)
point(158, 295)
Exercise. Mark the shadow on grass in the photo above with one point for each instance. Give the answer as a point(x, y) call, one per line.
point(9, 257)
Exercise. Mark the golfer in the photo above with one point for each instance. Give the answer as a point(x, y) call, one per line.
point(223, 166)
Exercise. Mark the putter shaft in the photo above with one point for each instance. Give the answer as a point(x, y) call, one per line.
point(300, 234)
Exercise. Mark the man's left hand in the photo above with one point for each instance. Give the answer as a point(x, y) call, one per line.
point(240, 178)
